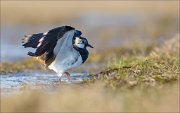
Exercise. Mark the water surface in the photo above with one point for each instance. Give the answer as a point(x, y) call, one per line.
point(40, 80)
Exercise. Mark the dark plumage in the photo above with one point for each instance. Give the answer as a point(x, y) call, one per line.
point(32, 40)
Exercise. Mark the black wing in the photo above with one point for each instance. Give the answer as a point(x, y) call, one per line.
point(32, 40)
point(50, 40)
point(45, 49)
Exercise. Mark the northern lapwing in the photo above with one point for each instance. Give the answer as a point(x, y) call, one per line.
point(59, 49)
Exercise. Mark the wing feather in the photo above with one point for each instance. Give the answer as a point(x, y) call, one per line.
point(45, 47)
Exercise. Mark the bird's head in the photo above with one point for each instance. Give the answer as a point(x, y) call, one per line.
point(81, 42)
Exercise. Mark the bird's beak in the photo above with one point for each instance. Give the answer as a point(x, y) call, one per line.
point(90, 46)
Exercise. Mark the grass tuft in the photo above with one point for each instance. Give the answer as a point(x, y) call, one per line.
point(20, 66)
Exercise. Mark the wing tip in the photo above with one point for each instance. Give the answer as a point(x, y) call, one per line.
point(31, 54)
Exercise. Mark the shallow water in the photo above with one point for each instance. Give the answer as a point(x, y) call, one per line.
point(40, 80)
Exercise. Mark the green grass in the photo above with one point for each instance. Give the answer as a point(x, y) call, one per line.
point(19, 66)
point(158, 66)
point(146, 71)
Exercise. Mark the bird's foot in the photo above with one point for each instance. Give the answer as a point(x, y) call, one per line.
point(67, 75)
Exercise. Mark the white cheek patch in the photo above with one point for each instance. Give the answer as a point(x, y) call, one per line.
point(77, 40)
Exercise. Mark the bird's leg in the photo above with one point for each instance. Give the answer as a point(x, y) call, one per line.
point(60, 77)
point(67, 75)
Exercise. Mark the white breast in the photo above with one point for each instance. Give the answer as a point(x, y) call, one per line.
point(66, 60)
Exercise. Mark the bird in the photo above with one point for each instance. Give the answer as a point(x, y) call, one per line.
point(59, 49)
